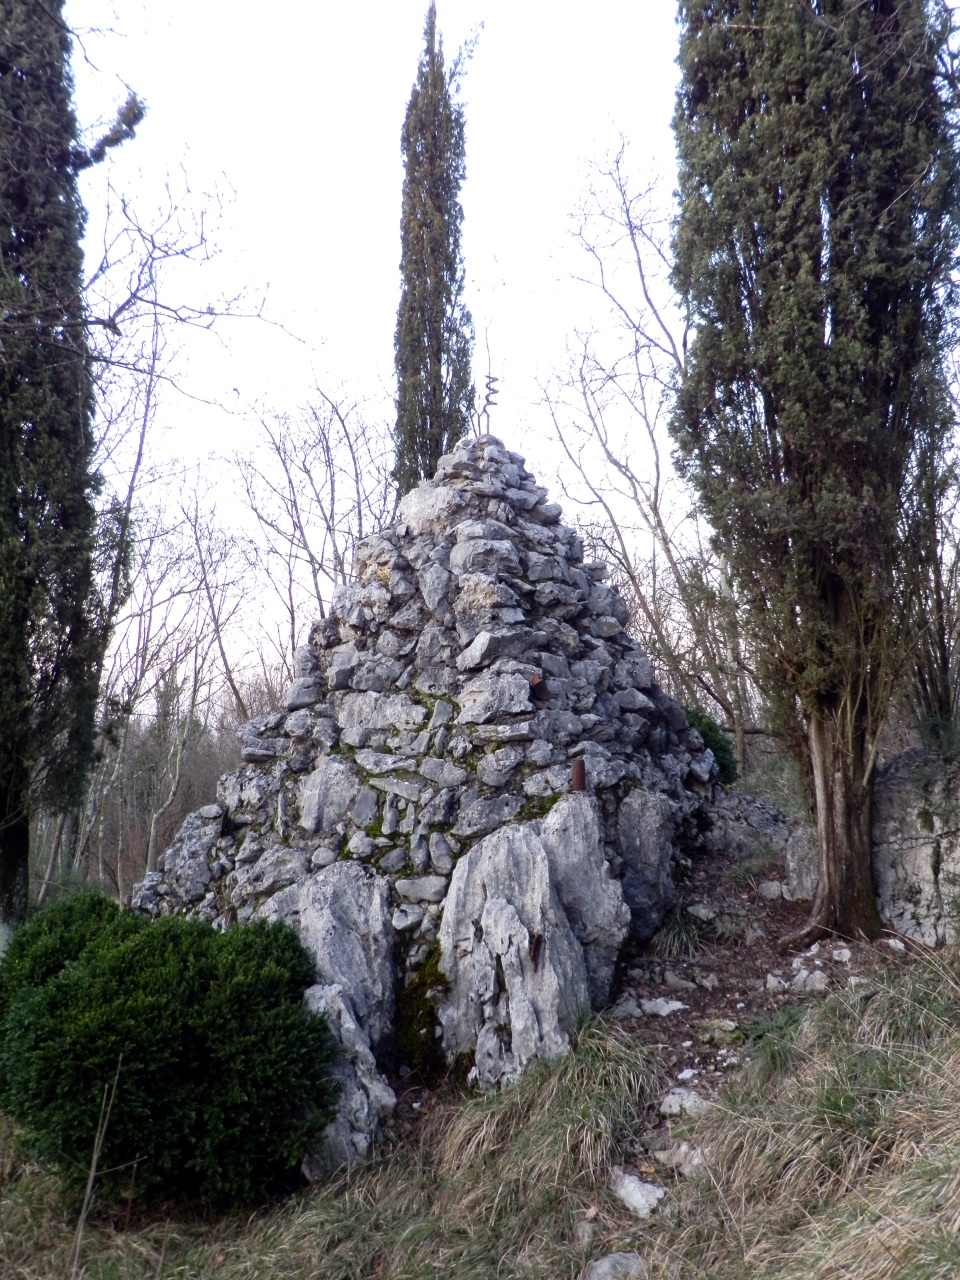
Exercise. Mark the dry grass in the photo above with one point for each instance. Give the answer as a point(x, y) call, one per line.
point(489, 1187)
point(847, 1165)
point(843, 1164)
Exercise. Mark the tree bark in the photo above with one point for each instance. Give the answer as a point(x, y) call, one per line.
point(14, 859)
point(846, 902)
point(52, 862)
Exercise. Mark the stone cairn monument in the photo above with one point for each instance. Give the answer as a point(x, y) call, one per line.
point(475, 792)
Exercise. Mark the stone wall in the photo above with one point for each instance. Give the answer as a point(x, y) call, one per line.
point(916, 845)
point(410, 810)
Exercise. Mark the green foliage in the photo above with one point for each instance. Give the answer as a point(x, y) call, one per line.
point(718, 742)
point(418, 1045)
point(223, 1072)
point(51, 940)
point(434, 337)
point(773, 1043)
point(818, 229)
point(52, 630)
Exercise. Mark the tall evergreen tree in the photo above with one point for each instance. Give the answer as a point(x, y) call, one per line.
point(814, 245)
point(50, 641)
point(434, 338)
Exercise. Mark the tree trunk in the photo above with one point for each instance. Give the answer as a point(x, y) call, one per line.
point(846, 902)
point(51, 864)
point(14, 860)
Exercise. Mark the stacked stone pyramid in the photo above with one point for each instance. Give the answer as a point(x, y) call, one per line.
point(474, 793)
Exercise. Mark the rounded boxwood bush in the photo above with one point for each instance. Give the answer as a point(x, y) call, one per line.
point(223, 1074)
point(718, 742)
point(53, 938)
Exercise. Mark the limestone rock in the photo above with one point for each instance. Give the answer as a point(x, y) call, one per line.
point(641, 1198)
point(327, 794)
point(645, 828)
point(517, 976)
point(429, 507)
point(343, 918)
point(801, 863)
point(532, 926)
point(488, 697)
point(469, 662)
point(366, 1100)
point(618, 1266)
point(684, 1102)
point(660, 1007)
point(186, 864)
point(916, 849)
point(740, 824)
point(592, 899)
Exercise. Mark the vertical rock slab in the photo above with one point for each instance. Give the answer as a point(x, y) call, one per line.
point(516, 973)
point(327, 794)
point(343, 917)
point(916, 848)
point(645, 828)
point(592, 900)
point(531, 929)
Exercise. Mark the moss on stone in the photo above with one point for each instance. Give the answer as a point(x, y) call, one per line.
point(537, 807)
point(418, 1044)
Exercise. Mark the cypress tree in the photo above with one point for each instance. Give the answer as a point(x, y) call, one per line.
point(434, 336)
point(815, 240)
point(50, 640)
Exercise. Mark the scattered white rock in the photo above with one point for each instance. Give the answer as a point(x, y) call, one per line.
point(720, 1031)
point(661, 1008)
point(684, 1158)
point(702, 911)
point(775, 984)
point(684, 1102)
point(895, 944)
point(618, 1266)
point(676, 983)
point(626, 1007)
point(842, 955)
point(772, 890)
point(689, 1073)
point(583, 1233)
point(814, 981)
point(641, 1198)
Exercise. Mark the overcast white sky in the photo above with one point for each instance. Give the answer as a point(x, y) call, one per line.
point(296, 108)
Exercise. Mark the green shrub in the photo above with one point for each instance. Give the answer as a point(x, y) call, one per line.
point(51, 940)
point(718, 742)
point(222, 1072)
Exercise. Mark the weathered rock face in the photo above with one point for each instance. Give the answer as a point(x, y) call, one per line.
point(530, 934)
point(916, 845)
point(916, 848)
point(409, 812)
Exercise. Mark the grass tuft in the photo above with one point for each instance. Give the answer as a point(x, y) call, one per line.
point(834, 1157)
point(680, 936)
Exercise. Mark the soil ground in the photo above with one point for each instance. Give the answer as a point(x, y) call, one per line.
point(718, 968)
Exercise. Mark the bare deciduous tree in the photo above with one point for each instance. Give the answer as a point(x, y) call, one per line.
point(609, 414)
point(322, 482)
